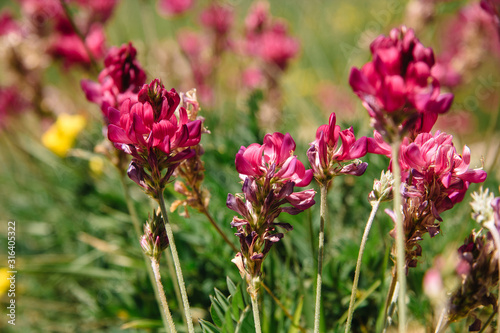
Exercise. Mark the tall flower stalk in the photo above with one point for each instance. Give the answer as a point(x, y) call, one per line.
point(270, 173)
point(158, 134)
point(329, 158)
point(402, 99)
point(153, 242)
point(382, 191)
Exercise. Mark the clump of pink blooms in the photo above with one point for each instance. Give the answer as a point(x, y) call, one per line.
point(174, 7)
point(404, 100)
point(397, 87)
point(268, 39)
point(75, 41)
point(434, 178)
point(270, 172)
point(330, 157)
point(467, 40)
point(204, 50)
point(156, 132)
point(121, 79)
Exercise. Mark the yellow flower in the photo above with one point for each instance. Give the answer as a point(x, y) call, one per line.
point(4, 283)
point(61, 136)
point(96, 165)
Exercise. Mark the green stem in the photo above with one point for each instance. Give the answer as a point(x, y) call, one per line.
point(496, 239)
point(487, 323)
point(255, 307)
point(135, 221)
point(177, 263)
point(392, 296)
point(400, 237)
point(358, 264)
point(322, 212)
point(173, 277)
point(166, 315)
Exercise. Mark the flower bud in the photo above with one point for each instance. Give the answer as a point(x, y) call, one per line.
point(154, 240)
point(382, 189)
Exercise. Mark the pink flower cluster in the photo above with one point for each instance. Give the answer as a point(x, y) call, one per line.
point(435, 178)
point(398, 84)
point(49, 17)
point(174, 7)
point(156, 138)
point(270, 172)
point(204, 50)
point(328, 156)
point(121, 79)
point(267, 39)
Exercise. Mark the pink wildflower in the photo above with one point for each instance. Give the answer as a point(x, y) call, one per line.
point(270, 173)
point(121, 79)
point(155, 137)
point(328, 156)
point(174, 7)
point(398, 84)
point(72, 51)
point(217, 17)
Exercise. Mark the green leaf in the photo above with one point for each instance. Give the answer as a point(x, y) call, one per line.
point(296, 317)
point(222, 299)
point(142, 323)
point(231, 286)
point(216, 312)
point(228, 325)
point(208, 327)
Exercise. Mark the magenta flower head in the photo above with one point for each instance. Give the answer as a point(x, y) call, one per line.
point(435, 177)
point(329, 157)
point(174, 7)
point(121, 79)
point(397, 87)
point(270, 172)
point(154, 135)
point(218, 18)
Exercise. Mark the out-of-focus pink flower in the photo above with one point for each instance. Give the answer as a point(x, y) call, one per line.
point(217, 17)
point(398, 83)
point(174, 7)
point(329, 157)
point(253, 78)
point(258, 18)
point(40, 12)
point(150, 131)
point(99, 10)
point(72, 51)
point(11, 103)
point(334, 97)
point(277, 47)
point(121, 79)
point(7, 23)
point(266, 39)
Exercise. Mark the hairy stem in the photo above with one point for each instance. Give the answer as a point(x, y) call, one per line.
point(255, 305)
point(177, 264)
point(400, 238)
point(135, 221)
point(358, 264)
point(166, 315)
point(390, 302)
point(322, 212)
point(496, 238)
